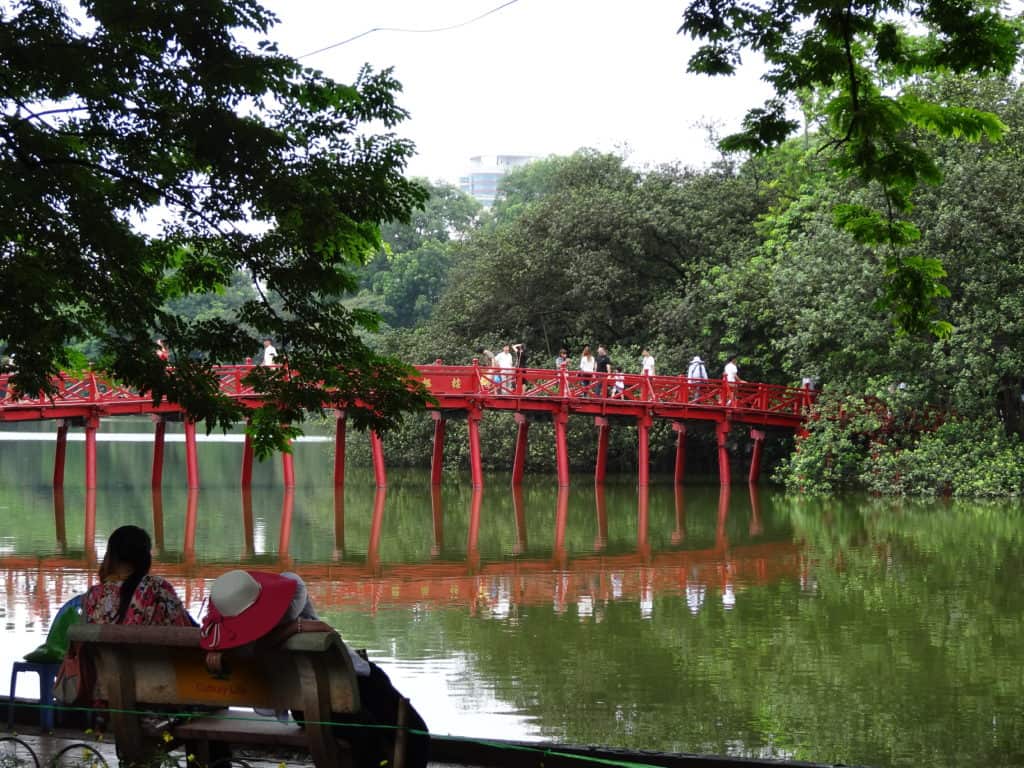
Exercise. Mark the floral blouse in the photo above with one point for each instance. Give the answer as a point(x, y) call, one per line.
point(154, 602)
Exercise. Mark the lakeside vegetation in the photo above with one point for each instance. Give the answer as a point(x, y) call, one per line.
point(743, 257)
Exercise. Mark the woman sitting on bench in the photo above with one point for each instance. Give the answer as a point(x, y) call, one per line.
point(127, 592)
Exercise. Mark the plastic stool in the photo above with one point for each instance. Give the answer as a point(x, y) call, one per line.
point(47, 674)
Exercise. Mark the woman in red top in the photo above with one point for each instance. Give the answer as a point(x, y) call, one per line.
point(127, 592)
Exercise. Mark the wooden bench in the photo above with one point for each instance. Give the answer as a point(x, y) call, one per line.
point(143, 668)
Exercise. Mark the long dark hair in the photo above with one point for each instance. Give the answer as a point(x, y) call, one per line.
point(128, 545)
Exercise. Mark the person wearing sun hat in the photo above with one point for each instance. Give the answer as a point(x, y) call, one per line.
point(246, 605)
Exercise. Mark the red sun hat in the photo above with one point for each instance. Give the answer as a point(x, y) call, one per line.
point(244, 606)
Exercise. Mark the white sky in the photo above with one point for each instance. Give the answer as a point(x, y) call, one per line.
point(538, 77)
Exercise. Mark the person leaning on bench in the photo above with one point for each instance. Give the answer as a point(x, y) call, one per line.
point(246, 606)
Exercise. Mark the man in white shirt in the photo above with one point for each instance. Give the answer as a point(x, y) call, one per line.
point(503, 360)
point(269, 353)
point(732, 377)
point(697, 369)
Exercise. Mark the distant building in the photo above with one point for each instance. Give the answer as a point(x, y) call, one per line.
point(484, 171)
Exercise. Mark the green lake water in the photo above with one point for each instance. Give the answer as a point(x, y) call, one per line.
point(854, 630)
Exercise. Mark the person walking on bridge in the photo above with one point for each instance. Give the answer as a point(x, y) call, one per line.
point(696, 374)
point(731, 374)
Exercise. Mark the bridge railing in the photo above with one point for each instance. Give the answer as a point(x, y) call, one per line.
point(652, 390)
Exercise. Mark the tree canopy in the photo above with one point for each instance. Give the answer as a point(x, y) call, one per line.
point(846, 64)
point(147, 155)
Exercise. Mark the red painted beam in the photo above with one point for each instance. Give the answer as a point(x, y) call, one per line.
point(721, 433)
point(476, 469)
point(191, 523)
point(522, 447)
point(437, 456)
point(288, 467)
point(246, 478)
point(561, 449)
point(680, 466)
point(60, 454)
point(339, 449)
point(92, 424)
point(601, 463)
point(643, 428)
point(287, 512)
point(757, 436)
point(380, 472)
point(159, 432)
point(191, 457)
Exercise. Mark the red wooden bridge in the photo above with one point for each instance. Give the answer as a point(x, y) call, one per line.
point(464, 392)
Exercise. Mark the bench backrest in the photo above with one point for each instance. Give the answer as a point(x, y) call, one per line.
point(165, 666)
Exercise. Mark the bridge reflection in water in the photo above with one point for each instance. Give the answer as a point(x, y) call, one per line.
point(471, 582)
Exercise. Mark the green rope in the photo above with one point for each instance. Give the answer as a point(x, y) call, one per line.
point(542, 752)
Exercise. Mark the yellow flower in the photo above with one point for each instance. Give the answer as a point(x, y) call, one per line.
point(167, 737)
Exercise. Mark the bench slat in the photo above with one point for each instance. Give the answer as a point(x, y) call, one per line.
point(227, 727)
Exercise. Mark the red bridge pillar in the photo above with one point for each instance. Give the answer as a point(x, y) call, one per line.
point(247, 459)
point(380, 473)
point(476, 469)
point(61, 452)
point(191, 457)
point(159, 431)
point(680, 469)
point(339, 449)
point(92, 425)
point(643, 427)
point(757, 435)
point(522, 447)
point(600, 466)
point(437, 458)
point(721, 433)
point(561, 422)
point(288, 466)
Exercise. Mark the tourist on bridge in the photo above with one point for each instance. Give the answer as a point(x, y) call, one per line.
point(162, 352)
point(618, 382)
point(646, 363)
point(505, 362)
point(269, 352)
point(696, 372)
point(604, 366)
point(731, 373)
point(485, 357)
point(588, 364)
point(562, 359)
point(696, 369)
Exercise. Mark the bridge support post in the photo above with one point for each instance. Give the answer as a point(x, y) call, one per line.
point(643, 428)
point(473, 540)
point(60, 454)
point(159, 432)
point(247, 460)
point(680, 469)
point(522, 447)
point(191, 520)
point(380, 472)
point(757, 435)
point(437, 514)
point(437, 457)
point(191, 458)
point(476, 469)
point(288, 467)
point(340, 421)
point(601, 464)
point(92, 425)
point(248, 527)
point(721, 433)
point(287, 512)
point(561, 521)
point(520, 513)
point(376, 524)
point(643, 520)
point(601, 508)
point(561, 422)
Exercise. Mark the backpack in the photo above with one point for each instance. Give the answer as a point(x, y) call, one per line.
point(76, 677)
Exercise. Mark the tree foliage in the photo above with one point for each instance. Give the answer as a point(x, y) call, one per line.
point(146, 155)
point(848, 65)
